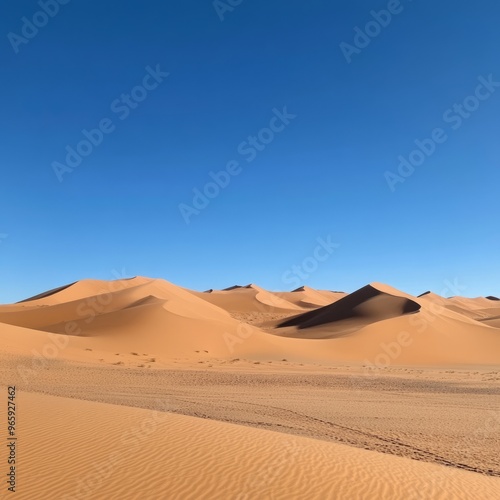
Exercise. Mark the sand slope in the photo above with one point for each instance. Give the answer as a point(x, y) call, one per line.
point(384, 326)
point(311, 298)
point(479, 308)
point(93, 321)
point(150, 322)
point(367, 305)
point(84, 450)
point(249, 298)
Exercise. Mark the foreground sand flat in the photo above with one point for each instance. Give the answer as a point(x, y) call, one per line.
point(75, 449)
point(444, 416)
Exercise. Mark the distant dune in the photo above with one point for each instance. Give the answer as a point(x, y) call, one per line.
point(248, 298)
point(97, 319)
point(311, 298)
point(367, 305)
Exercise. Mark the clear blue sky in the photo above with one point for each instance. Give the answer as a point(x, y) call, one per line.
point(320, 175)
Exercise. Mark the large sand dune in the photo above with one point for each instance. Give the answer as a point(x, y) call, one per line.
point(96, 321)
point(367, 305)
point(128, 316)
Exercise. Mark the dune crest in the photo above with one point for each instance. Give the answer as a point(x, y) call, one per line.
point(310, 298)
point(248, 299)
point(95, 320)
point(367, 305)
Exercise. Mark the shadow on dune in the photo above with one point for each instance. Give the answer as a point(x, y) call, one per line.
point(360, 308)
point(47, 293)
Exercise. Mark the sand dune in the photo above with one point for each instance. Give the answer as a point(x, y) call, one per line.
point(253, 305)
point(310, 298)
point(367, 305)
point(479, 308)
point(82, 289)
point(137, 453)
point(96, 321)
point(493, 321)
point(249, 298)
point(434, 297)
point(384, 326)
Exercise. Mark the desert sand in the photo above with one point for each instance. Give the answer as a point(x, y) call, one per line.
point(250, 393)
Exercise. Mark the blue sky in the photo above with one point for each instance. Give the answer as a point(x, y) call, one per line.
point(353, 110)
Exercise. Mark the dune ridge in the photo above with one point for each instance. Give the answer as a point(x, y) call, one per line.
point(367, 305)
point(98, 319)
point(308, 297)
